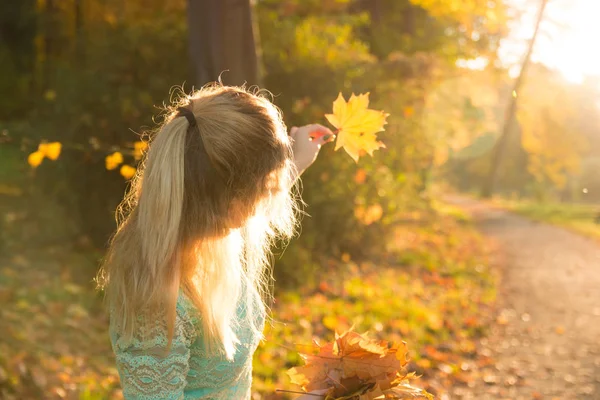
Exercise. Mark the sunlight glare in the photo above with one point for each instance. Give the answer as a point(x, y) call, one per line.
point(573, 50)
point(479, 63)
point(567, 40)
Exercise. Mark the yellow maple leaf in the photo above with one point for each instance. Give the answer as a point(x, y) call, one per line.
point(50, 150)
point(356, 125)
point(127, 171)
point(35, 158)
point(113, 160)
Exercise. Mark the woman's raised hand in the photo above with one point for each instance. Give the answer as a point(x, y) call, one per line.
point(306, 143)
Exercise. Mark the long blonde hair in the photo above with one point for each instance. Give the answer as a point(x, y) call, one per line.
point(201, 215)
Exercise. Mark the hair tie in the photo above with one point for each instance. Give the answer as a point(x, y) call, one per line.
point(194, 139)
point(184, 112)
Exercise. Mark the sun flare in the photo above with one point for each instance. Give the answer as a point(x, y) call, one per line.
point(568, 38)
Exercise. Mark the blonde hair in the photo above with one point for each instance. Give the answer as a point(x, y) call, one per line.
point(201, 215)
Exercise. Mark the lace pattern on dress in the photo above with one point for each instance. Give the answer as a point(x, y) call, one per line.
point(186, 371)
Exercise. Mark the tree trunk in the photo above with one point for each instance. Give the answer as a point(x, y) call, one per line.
point(222, 42)
point(78, 11)
point(18, 28)
point(509, 118)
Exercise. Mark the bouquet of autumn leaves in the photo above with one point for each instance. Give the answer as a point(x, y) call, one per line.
point(354, 367)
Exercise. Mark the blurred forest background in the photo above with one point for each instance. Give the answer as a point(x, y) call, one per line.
point(380, 249)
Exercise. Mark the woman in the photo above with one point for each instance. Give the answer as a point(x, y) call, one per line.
point(185, 274)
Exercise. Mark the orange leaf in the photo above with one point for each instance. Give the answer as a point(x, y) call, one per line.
point(356, 367)
point(113, 160)
point(127, 171)
point(35, 159)
point(350, 356)
point(360, 176)
point(139, 148)
point(50, 150)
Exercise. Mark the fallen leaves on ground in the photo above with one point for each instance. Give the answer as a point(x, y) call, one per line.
point(432, 290)
point(54, 341)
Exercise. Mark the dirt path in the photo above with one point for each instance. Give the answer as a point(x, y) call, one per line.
point(547, 340)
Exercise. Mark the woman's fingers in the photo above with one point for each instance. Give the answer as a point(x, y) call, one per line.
point(306, 143)
point(320, 134)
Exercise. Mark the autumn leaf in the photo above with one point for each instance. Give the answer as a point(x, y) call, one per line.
point(368, 215)
point(405, 391)
point(354, 366)
point(127, 171)
point(360, 177)
point(35, 159)
point(113, 160)
point(356, 125)
point(329, 321)
point(50, 150)
point(138, 149)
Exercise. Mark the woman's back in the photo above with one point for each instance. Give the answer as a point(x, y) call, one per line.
point(186, 371)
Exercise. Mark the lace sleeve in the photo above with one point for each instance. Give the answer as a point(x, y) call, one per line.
point(146, 370)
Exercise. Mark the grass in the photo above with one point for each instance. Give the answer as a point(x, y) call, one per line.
point(580, 218)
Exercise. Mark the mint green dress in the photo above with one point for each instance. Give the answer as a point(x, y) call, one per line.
point(186, 372)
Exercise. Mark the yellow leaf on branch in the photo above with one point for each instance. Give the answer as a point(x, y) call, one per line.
point(127, 171)
point(138, 149)
point(50, 150)
point(35, 159)
point(357, 125)
point(113, 160)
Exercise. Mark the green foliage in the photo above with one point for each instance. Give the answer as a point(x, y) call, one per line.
point(554, 143)
point(550, 153)
point(117, 62)
point(106, 68)
point(98, 95)
point(312, 51)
